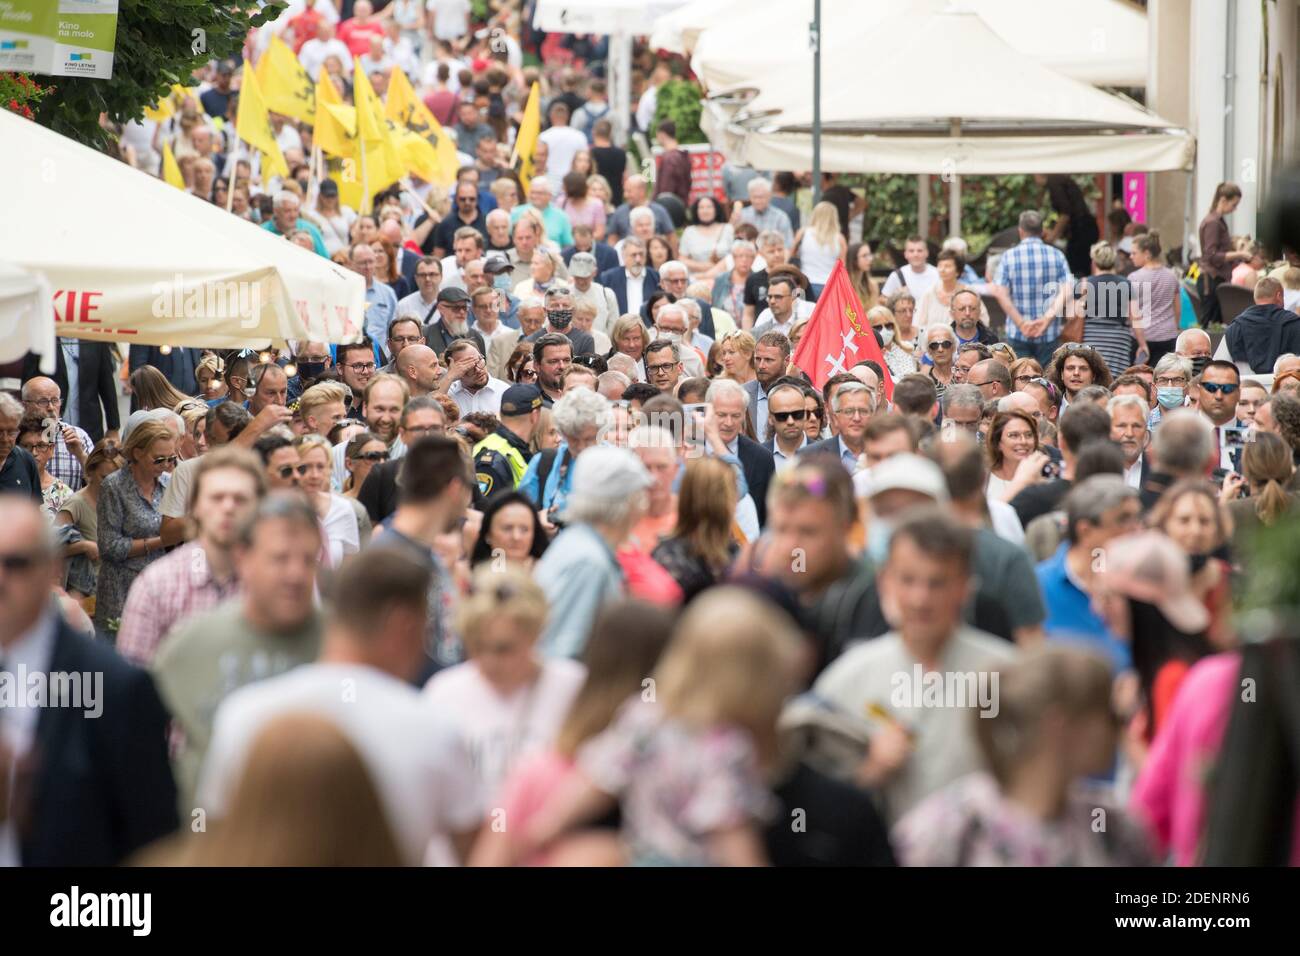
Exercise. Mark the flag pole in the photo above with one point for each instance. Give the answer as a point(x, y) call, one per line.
point(234, 174)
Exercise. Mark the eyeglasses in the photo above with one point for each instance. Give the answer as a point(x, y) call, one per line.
point(372, 456)
point(456, 306)
point(166, 460)
point(18, 563)
point(418, 432)
point(43, 402)
point(1215, 387)
point(407, 340)
point(854, 412)
point(10, 433)
point(660, 369)
point(797, 416)
point(937, 346)
point(40, 447)
point(1025, 378)
point(360, 367)
point(1176, 381)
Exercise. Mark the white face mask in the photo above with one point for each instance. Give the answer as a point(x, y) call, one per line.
point(886, 337)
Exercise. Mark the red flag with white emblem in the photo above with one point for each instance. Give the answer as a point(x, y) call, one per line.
point(838, 335)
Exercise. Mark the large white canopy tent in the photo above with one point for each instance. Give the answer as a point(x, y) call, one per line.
point(733, 43)
point(978, 108)
point(26, 316)
point(621, 20)
point(133, 259)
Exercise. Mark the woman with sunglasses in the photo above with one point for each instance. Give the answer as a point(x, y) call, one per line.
point(897, 350)
point(338, 515)
point(1075, 367)
point(364, 451)
point(940, 342)
point(129, 522)
point(814, 422)
point(519, 367)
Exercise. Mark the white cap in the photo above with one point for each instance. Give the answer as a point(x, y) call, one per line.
point(608, 473)
point(905, 472)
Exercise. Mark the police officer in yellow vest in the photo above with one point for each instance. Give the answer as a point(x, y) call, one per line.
point(501, 458)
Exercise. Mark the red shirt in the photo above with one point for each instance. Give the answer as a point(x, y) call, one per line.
point(304, 27)
point(357, 35)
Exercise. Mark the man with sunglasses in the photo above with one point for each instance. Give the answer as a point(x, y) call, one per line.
point(1219, 390)
point(121, 795)
point(787, 435)
point(197, 576)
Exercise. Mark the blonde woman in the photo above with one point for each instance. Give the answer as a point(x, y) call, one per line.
point(338, 515)
point(689, 768)
point(630, 338)
point(935, 307)
point(210, 374)
point(736, 352)
point(899, 352)
point(506, 699)
point(544, 266)
point(194, 441)
point(819, 245)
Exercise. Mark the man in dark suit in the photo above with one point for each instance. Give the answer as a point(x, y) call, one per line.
point(96, 388)
point(91, 781)
point(730, 406)
point(851, 406)
point(584, 241)
point(633, 275)
point(452, 322)
point(178, 365)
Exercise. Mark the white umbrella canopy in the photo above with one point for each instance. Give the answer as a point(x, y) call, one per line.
point(971, 74)
point(635, 17)
point(133, 259)
point(1103, 42)
point(26, 316)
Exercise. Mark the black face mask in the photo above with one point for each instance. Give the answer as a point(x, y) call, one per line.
point(1199, 363)
point(310, 370)
point(560, 319)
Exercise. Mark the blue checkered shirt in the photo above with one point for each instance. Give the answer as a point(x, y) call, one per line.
point(64, 464)
point(1033, 272)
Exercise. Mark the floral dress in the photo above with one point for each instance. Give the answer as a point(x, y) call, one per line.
point(123, 516)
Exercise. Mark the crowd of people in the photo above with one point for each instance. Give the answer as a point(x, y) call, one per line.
point(567, 562)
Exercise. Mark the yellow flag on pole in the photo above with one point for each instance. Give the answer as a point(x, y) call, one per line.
point(286, 84)
point(254, 126)
point(406, 109)
point(530, 128)
point(171, 171)
point(327, 132)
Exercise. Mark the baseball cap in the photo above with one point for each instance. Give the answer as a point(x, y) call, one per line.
point(329, 187)
point(608, 473)
point(452, 294)
point(495, 265)
point(1149, 567)
point(582, 265)
point(520, 399)
point(905, 472)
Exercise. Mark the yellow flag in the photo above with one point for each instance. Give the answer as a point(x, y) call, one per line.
point(408, 110)
point(171, 172)
point(287, 86)
point(374, 132)
point(327, 133)
point(162, 111)
point(359, 179)
point(182, 93)
point(254, 126)
point(530, 127)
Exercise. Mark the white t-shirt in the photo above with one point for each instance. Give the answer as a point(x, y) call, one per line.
point(314, 53)
point(564, 142)
point(451, 18)
point(340, 524)
point(918, 283)
point(498, 730)
point(416, 760)
point(288, 138)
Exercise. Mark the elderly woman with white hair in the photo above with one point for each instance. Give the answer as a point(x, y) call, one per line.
point(581, 417)
point(939, 344)
point(580, 571)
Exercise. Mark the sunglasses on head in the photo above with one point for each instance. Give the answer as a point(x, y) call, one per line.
point(1215, 387)
point(797, 415)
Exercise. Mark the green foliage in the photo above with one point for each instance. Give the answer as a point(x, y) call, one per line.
point(159, 42)
point(679, 101)
point(989, 204)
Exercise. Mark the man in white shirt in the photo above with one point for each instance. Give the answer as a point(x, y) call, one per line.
point(484, 306)
point(373, 646)
point(921, 743)
point(314, 53)
point(1128, 428)
point(671, 324)
point(919, 275)
point(467, 381)
point(448, 19)
point(424, 300)
point(782, 312)
point(562, 139)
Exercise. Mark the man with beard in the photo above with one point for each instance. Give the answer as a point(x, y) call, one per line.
point(356, 364)
point(552, 354)
point(382, 404)
point(1128, 428)
point(452, 322)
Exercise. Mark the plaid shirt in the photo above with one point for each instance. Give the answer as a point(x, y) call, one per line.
point(166, 593)
point(64, 465)
point(1033, 272)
